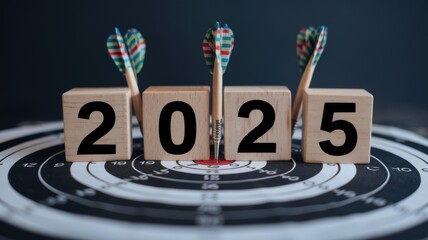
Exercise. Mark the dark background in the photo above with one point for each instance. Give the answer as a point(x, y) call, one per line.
point(49, 47)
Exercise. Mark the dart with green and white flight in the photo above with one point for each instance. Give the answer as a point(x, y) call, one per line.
point(310, 45)
point(128, 56)
point(217, 47)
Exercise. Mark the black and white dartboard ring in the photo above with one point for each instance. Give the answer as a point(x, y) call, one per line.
point(42, 196)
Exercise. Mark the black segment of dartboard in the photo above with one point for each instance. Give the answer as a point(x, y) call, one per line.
point(160, 176)
point(80, 199)
point(47, 193)
point(14, 142)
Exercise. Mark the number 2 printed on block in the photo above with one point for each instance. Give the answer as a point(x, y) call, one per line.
point(97, 124)
point(257, 125)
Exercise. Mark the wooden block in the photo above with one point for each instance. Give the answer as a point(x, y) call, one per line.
point(337, 125)
point(97, 124)
point(176, 123)
point(257, 123)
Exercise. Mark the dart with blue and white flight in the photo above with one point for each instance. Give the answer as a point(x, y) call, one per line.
point(128, 55)
point(217, 47)
point(310, 45)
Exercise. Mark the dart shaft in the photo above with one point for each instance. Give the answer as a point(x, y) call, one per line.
point(135, 94)
point(303, 85)
point(217, 101)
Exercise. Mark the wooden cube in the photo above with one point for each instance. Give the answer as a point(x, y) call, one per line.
point(257, 123)
point(97, 124)
point(337, 125)
point(176, 123)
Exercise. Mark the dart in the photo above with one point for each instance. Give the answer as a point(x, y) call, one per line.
point(310, 45)
point(128, 56)
point(217, 47)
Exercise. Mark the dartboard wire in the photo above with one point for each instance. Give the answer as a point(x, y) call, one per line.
point(14, 133)
point(385, 215)
point(409, 150)
point(417, 154)
point(398, 134)
point(119, 182)
point(319, 184)
point(186, 194)
point(292, 211)
point(15, 150)
point(288, 228)
point(53, 222)
point(215, 181)
point(35, 143)
point(6, 153)
point(165, 194)
point(330, 226)
point(210, 169)
point(27, 208)
point(178, 163)
point(221, 182)
point(177, 214)
point(209, 181)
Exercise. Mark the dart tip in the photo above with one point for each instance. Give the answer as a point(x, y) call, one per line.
point(293, 128)
point(226, 26)
point(217, 25)
point(216, 150)
point(140, 124)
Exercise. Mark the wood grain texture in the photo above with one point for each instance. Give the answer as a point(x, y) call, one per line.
point(155, 99)
point(76, 129)
point(313, 107)
point(236, 128)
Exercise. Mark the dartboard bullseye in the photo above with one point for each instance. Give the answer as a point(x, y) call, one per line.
point(44, 196)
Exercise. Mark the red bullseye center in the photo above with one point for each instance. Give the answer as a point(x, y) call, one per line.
point(212, 162)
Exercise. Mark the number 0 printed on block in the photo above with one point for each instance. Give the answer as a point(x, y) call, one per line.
point(337, 125)
point(176, 123)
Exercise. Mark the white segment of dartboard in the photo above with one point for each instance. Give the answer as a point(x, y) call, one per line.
point(98, 178)
point(167, 213)
point(36, 217)
point(28, 144)
point(258, 213)
point(39, 218)
point(322, 206)
point(222, 169)
point(385, 220)
point(15, 133)
point(257, 166)
point(171, 166)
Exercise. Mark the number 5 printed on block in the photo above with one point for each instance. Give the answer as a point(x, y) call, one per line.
point(337, 125)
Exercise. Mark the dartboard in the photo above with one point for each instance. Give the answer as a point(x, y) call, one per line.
point(42, 196)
